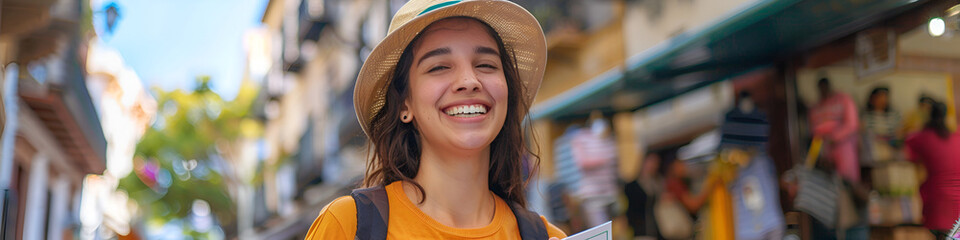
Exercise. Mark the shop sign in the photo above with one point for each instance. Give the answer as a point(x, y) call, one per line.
point(875, 52)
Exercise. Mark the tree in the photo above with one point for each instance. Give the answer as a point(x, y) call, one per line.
point(181, 158)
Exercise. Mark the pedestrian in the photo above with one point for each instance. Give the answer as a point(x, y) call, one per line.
point(642, 194)
point(441, 100)
point(594, 151)
point(917, 119)
point(835, 119)
point(880, 123)
point(879, 118)
point(937, 149)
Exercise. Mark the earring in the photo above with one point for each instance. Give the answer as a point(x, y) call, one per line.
point(404, 117)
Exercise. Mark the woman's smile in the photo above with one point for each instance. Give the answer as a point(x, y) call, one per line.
point(466, 112)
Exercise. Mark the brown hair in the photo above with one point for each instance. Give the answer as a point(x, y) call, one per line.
point(394, 147)
point(937, 122)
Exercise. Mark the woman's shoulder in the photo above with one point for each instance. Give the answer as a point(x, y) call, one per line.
point(342, 207)
point(338, 220)
point(553, 231)
point(920, 137)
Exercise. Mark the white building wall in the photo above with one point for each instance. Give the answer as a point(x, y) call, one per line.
point(59, 208)
point(35, 215)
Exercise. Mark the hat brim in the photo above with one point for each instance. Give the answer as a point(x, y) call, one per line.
point(519, 30)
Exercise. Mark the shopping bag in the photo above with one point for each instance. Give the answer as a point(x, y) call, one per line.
point(816, 195)
point(673, 222)
point(816, 190)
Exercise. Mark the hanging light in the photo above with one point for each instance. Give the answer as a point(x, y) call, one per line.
point(936, 27)
point(947, 25)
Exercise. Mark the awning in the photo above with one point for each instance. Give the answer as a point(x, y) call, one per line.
point(756, 36)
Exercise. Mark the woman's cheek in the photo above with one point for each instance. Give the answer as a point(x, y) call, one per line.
point(428, 91)
point(499, 90)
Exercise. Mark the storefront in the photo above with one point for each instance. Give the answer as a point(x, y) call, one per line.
point(664, 96)
point(891, 70)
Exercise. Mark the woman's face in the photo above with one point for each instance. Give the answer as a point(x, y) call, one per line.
point(880, 101)
point(925, 106)
point(458, 91)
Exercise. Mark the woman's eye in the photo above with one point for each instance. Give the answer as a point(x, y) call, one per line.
point(486, 66)
point(437, 68)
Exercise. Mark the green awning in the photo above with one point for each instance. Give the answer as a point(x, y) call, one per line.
point(756, 36)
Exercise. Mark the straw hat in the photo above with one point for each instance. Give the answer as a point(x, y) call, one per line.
point(520, 31)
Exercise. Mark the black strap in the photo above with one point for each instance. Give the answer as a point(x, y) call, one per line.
point(373, 210)
point(529, 222)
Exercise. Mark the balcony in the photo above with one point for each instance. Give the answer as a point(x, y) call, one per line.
point(49, 41)
point(67, 111)
point(312, 17)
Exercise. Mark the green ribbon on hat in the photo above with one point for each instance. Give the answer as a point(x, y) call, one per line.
point(438, 5)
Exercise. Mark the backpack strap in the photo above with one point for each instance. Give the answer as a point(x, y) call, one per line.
point(373, 211)
point(529, 222)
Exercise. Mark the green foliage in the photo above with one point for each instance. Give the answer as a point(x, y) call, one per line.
point(179, 159)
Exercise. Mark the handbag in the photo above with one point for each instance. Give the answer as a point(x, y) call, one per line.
point(673, 222)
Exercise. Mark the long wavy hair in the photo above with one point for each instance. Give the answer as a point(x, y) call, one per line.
point(394, 147)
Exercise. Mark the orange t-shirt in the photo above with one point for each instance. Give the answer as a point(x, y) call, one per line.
point(338, 220)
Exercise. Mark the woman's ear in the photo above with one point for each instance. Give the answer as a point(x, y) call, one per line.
point(406, 116)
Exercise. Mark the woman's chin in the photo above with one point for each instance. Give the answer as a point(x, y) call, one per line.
point(472, 141)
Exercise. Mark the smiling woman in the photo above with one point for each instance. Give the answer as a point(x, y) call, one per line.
point(463, 82)
point(442, 100)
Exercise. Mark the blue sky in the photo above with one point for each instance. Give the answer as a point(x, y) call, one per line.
point(170, 42)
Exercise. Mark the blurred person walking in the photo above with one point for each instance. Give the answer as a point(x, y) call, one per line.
point(442, 99)
point(564, 204)
point(938, 150)
point(835, 119)
point(594, 151)
point(678, 205)
point(917, 119)
point(880, 123)
point(642, 195)
point(834, 205)
point(754, 190)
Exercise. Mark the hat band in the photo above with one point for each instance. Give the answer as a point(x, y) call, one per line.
point(438, 5)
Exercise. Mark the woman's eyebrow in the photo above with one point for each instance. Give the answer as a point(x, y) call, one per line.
point(487, 50)
point(435, 52)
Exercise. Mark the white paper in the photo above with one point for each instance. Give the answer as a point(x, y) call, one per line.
point(600, 232)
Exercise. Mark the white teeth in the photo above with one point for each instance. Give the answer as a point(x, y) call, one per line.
point(467, 110)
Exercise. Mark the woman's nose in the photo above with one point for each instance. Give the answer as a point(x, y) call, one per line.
point(468, 82)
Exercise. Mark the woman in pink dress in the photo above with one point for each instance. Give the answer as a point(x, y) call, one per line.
point(835, 119)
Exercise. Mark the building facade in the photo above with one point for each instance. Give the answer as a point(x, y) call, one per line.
point(53, 136)
point(307, 57)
